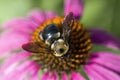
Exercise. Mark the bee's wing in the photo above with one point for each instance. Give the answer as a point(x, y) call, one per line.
point(67, 24)
point(34, 47)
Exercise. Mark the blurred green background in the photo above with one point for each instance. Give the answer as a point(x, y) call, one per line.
point(103, 14)
point(97, 13)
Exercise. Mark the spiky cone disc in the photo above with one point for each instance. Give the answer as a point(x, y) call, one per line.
point(80, 45)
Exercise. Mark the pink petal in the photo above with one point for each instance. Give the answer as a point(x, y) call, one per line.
point(107, 74)
point(35, 77)
point(39, 17)
point(92, 74)
point(75, 6)
point(49, 76)
point(103, 38)
point(34, 73)
point(21, 24)
point(22, 71)
point(54, 76)
point(45, 76)
point(110, 75)
point(14, 59)
point(64, 76)
point(109, 55)
point(12, 40)
point(108, 60)
point(50, 15)
point(76, 76)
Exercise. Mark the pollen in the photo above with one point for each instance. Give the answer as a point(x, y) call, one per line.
point(80, 46)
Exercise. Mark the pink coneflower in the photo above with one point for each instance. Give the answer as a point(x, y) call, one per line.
point(18, 64)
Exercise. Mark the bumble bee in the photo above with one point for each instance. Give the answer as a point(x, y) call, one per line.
point(57, 41)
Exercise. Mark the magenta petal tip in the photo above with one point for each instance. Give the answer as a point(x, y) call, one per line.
point(76, 76)
point(102, 37)
point(75, 6)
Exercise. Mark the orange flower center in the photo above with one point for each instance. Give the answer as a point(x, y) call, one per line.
point(79, 47)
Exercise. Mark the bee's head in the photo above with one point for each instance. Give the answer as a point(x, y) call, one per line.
point(60, 48)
